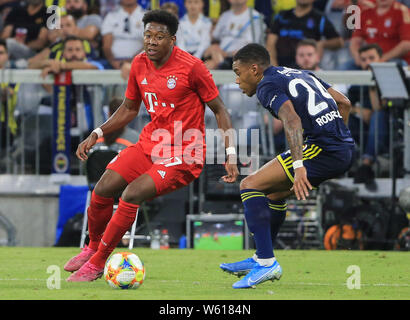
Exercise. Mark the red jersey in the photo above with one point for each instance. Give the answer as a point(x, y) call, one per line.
point(174, 96)
point(386, 30)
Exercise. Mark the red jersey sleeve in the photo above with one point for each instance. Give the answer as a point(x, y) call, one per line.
point(133, 92)
point(202, 82)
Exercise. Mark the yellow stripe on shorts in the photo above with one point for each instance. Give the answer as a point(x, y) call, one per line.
point(315, 154)
point(280, 159)
point(305, 152)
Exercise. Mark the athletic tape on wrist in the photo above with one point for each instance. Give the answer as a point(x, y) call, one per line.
point(297, 164)
point(99, 132)
point(230, 150)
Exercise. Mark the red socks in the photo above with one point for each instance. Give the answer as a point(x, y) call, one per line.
point(120, 223)
point(99, 214)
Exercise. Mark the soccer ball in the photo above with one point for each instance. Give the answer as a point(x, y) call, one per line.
point(124, 270)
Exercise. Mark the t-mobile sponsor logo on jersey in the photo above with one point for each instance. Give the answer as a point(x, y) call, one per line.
point(153, 102)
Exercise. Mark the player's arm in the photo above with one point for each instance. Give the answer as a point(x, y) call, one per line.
point(292, 126)
point(343, 104)
point(293, 129)
point(224, 123)
point(125, 113)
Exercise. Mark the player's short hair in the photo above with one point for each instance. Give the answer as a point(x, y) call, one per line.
point(253, 53)
point(162, 17)
point(307, 42)
point(371, 46)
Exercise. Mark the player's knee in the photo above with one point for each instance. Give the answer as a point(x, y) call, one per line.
point(110, 185)
point(131, 197)
point(102, 189)
point(247, 183)
point(136, 194)
point(141, 189)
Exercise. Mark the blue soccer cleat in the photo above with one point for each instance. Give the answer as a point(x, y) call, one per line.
point(258, 275)
point(239, 268)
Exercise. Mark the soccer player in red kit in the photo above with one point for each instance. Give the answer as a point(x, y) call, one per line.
point(170, 153)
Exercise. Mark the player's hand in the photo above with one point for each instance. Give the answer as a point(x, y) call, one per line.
point(85, 146)
point(301, 184)
point(232, 170)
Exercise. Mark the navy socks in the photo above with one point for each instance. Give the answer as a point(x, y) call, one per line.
point(264, 218)
point(278, 214)
point(257, 215)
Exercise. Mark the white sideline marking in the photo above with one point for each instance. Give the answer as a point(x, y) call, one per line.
point(29, 279)
point(344, 285)
point(284, 283)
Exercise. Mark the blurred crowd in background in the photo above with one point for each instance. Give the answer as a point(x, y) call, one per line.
point(111, 31)
point(305, 34)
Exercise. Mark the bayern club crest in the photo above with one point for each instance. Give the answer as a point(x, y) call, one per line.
point(171, 82)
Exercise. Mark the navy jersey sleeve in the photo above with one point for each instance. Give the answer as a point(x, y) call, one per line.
point(271, 97)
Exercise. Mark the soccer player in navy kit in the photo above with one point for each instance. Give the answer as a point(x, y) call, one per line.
point(314, 117)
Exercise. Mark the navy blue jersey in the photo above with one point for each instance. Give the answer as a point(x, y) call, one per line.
point(321, 121)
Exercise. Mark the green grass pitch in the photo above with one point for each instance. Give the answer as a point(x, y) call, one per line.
point(195, 275)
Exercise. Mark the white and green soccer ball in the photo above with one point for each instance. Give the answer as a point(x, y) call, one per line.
point(124, 270)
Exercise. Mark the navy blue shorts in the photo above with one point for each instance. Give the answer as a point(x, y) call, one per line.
point(320, 164)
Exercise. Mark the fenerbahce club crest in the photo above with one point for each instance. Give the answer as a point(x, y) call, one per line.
point(171, 82)
point(60, 163)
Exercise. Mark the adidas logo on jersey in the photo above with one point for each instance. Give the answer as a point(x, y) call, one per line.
point(144, 81)
point(162, 173)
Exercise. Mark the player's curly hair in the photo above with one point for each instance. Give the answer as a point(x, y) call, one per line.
point(162, 17)
point(253, 53)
